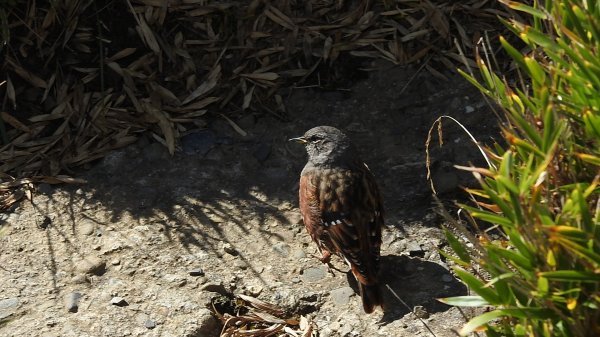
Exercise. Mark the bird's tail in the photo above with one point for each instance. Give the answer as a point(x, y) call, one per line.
point(371, 297)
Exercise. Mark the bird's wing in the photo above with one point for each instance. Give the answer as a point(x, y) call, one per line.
point(352, 215)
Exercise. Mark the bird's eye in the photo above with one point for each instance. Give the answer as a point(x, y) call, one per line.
point(314, 139)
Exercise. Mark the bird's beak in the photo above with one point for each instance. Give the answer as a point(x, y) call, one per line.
point(300, 140)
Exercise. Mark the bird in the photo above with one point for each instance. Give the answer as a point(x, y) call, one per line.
point(342, 208)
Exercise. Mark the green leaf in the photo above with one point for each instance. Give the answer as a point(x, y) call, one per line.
point(478, 286)
point(456, 246)
point(571, 275)
point(464, 301)
point(478, 321)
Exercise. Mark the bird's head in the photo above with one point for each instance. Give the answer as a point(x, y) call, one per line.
point(326, 145)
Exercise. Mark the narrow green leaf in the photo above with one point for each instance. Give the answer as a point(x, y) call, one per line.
point(464, 301)
point(478, 286)
point(571, 275)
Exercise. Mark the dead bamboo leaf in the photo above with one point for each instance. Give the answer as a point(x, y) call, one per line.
point(235, 126)
point(206, 86)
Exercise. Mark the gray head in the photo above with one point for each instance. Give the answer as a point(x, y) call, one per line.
point(327, 145)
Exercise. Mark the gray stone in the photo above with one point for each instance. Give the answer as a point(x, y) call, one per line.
point(282, 249)
point(72, 301)
point(149, 324)
point(215, 288)
point(196, 272)
point(341, 296)
point(314, 274)
point(240, 264)
point(8, 307)
point(119, 301)
point(203, 324)
point(298, 253)
point(91, 265)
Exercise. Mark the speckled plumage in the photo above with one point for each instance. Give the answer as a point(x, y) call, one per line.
point(341, 207)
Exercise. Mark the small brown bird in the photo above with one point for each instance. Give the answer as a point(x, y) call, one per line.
point(341, 207)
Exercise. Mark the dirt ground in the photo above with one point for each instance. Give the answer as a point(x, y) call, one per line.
point(143, 247)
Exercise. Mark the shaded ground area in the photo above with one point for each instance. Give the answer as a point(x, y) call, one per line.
point(144, 246)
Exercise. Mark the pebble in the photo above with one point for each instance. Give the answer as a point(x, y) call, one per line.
point(228, 248)
point(91, 265)
point(282, 249)
point(240, 264)
point(447, 278)
point(215, 288)
point(87, 227)
point(119, 301)
point(79, 279)
point(72, 301)
point(196, 272)
point(115, 262)
point(414, 249)
point(341, 296)
point(469, 109)
point(8, 307)
point(420, 312)
point(298, 253)
point(149, 324)
point(314, 274)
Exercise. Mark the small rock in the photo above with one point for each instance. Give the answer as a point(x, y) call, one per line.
point(240, 264)
point(91, 265)
point(215, 288)
point(341, 296)
point(298, 253)
point(87, 227)
point(420, 312)
point(255, 290)
point(282, 249)
point(79, 279)
point(414, 249)
point(119, 301)
point(115, 262)
point(314, 274)
point(228, 248)
point(196, 272)
point(72, 301)
point(203, 324)
point(149, 324)
point(8, 307)
point(447, 278)
point(469, 109)
point(295, 280)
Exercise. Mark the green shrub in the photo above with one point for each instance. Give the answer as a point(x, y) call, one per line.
point(541, 190)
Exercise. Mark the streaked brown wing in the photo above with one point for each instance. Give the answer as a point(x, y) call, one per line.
point(352, 213)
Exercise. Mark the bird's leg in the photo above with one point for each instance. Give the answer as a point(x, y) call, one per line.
point(326, 259)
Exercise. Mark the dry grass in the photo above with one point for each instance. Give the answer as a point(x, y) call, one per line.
point(81, 77)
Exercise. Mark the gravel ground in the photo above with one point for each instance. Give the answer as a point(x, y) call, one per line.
point(150, 240)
